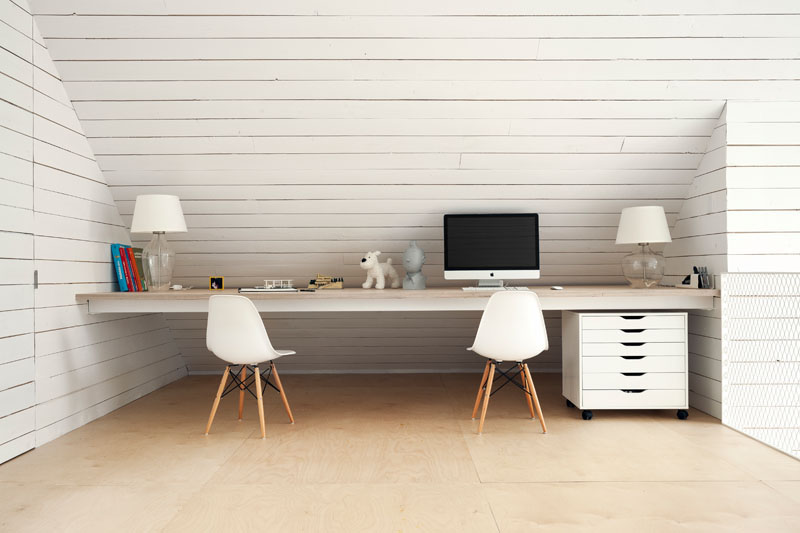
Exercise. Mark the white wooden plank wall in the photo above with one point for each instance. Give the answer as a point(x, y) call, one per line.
point(57, 215)
point(301, 134)
point(740, 216)
point(86, 365)
point(17, 388)
point(362, 342)
point(699, 238)
point(764, 187)
point(760, 373)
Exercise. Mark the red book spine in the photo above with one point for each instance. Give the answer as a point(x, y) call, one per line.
point(136, 277)
point(127, 268)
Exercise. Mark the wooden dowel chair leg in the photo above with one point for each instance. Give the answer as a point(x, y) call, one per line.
point(524, 376)
point(283, 393)
point(217, 398)
point(242, 377)
point(480, 389)
point(535, 399)
point(259, 396)
point(486, 395)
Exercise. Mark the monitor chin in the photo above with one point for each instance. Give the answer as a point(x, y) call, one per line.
point(491, 275)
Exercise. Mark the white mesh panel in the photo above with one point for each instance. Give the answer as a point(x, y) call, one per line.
point(761, 357)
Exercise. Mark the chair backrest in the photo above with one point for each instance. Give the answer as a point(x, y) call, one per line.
point(235, 331)
point(512, 327)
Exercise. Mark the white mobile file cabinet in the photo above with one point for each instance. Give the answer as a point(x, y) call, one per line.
point(634, 360)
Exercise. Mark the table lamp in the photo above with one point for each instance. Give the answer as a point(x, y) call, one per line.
point(158, 213)
point(643, 225)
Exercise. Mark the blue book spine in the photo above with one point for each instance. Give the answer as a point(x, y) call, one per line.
point(123, 286)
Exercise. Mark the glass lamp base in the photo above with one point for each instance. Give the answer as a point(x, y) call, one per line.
point(158, 261)
point(643, 268)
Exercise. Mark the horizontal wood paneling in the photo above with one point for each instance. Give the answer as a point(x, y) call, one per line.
point(218, 128)
point(17, 374)
point(59, 366)
point(352, 342)
point(409, 49)
point(155, 26)
point(16, 347)
point(415, 8)
point(298, 142)
point(367, 144)
point(699, 238)
point(746, 184)
point(144, 71)
point(762, 196)
point(420, 109)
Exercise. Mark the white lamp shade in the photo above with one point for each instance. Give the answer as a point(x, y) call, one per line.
point(643, 224)
point(158, 212)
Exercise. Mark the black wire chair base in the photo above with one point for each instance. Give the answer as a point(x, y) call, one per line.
point(237, 384)
point(510, 378)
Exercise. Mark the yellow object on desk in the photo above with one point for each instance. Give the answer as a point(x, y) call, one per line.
point(326, 282)
point(216, 283)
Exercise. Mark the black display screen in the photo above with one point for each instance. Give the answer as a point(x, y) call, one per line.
point(491, 242)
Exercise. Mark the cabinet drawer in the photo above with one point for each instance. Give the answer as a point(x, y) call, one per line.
point(633, 322)
point(634, 380)
point(650, 363)
point(634, 335)
point(646, 399)
point(592, 349)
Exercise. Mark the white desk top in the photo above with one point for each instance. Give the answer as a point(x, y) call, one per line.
point(572, 298)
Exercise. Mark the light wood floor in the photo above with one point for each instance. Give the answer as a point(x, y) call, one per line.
point(396, 453)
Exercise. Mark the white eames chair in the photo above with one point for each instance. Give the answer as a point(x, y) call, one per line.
point(511, 330)
point(236, 334)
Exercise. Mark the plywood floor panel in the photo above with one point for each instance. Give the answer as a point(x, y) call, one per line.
point(396, 453)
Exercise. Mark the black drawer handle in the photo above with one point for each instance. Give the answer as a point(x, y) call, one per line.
point(633, 373)
point(633, 330)
point(632, 343)
point(633, 317)
point(632, 356)
point(633, 391)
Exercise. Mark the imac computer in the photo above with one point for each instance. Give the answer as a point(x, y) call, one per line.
point(491, 248)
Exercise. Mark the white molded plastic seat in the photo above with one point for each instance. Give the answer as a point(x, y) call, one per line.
point(512, 328)
point(236, 334)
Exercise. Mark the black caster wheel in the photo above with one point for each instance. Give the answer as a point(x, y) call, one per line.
point(683, 414)
point(586, 415)
point(570, 404)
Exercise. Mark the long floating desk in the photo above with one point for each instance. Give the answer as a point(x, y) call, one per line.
point(571, 298)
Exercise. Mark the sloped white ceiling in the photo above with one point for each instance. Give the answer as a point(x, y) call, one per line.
point(301, 134)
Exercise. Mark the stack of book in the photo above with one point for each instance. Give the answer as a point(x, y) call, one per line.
point(128, 265)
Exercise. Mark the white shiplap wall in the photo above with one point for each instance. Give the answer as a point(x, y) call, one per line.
point(764, 187)
point(761, 372)
point(54, 193)
point(700, 238)
point(740, 216)
point(301, 134)
point(17, 389)
point(357, 342)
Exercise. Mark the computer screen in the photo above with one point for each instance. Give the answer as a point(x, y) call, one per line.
point(502, 246)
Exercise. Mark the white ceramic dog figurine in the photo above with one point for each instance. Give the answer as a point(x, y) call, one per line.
point(378, 272)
